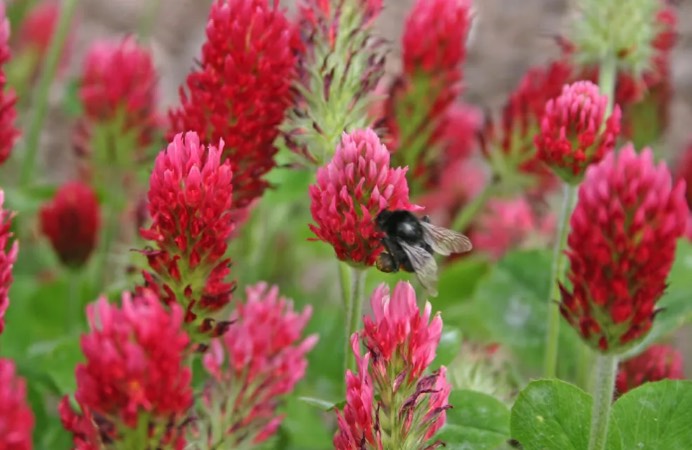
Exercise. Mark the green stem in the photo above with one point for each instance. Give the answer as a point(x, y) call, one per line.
point(354, 309)
point(109, 231)
point(40, 100)
point(75, 300)
point(604, 386)
point(464, 219)
point(552, 335)
point(344, 282)
point(606, 81)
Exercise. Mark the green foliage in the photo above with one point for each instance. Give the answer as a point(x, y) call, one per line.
point(476, 421)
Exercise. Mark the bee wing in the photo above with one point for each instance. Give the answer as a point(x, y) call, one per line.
point(445, 241)
point(424, 266)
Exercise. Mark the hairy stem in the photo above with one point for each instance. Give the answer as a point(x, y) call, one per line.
point(40, 98)
point(604, 386)
point(471, 210)
point(606, 81)
point(559, 259)
point(354, 310)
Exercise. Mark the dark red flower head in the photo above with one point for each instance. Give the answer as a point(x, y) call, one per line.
point(656, 363)
point(71, 221)
point(622, 242)
point(16, 418)
point(119, 82)
point(8, 113)
point(8, 255)
point(135, 365)
point(351, 191)
point(260, 358)
point(241, 89)
point(575, 132)
point(190, 198)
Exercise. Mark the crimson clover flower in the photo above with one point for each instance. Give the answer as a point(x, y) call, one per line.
point(8, 256)
point(16, 418)
point(656, 363)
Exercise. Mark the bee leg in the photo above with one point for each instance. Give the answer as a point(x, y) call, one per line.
point(426, 219)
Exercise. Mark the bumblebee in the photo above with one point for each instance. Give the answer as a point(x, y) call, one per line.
point(410, 245)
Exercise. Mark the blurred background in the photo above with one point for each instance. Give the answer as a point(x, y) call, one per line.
point(508, 37)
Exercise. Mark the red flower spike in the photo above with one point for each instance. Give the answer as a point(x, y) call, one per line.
point(390, 402)
point(575, 132)
point(656, 363)
point(350, 191)
point(619, 273)
point(16, 418)
point(71, 221)
point(8, 113)
point(135, 366)
point(241, 89)
point(190, 199)
point(259, 358)
point(119, 83)
point(8, 256)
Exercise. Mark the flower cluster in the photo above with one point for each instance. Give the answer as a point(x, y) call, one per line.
point(241, 89)
point(8, 255)
point(16, 418)
point(575, 132)
point(351, 191)
point(656, 363)
point(390, 401)
point(190, 198)
point(340, 63)
point(135, 370)
point(71, 222)
point(118, 88)
point(259, 359)
point(619, 273)
point(8, 113)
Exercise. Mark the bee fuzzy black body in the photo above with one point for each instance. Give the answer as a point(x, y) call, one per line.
point(410, 244)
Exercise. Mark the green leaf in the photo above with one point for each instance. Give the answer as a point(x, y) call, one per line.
point(552, 415)
point(513, 302)
point(655, 416)
point(476, 421)
point(318, 402)
point(675, 303)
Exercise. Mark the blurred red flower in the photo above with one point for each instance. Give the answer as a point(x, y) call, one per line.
point(16, 418)
point(135, 370)
point(351, 190)
point(8, 114)
point(190, 198)
point(119, 84)
point(241, 89)
point(260, 358)
point(8, 255)
point(619, 273)
point(656, 363)
point(71, 221)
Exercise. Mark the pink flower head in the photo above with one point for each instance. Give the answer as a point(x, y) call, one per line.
point(190, 198)
point(508, 224)
point(656, 363)
point(355, 186)
point(390, 402)
point(119, 83)
point(241, 89)
point(71, 221)
point(8, 113)
point(435, 37)
point(135, 364)
point(16, 418)
point(260, 358)
point(8, 255)
point(573, 132)
point(619, 273)
point(397, 335)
